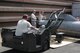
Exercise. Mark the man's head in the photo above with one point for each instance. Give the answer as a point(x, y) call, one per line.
point(25, 16)
point(34, 11)
point(41, 12)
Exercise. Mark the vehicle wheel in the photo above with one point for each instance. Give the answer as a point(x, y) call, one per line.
point(59, 41)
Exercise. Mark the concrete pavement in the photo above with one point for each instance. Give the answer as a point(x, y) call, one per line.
point(71, 48)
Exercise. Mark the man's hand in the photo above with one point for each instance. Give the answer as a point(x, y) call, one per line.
point(37, 29)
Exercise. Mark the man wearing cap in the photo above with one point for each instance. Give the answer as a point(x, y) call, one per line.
point(23, 26)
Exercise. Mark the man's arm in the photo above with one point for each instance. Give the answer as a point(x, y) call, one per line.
point(32, 27)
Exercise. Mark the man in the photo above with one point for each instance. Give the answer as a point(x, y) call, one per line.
point(33, 18)
point(23, 26)
point(41, 18)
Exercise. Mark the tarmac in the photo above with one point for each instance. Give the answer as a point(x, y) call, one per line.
point(69, 48)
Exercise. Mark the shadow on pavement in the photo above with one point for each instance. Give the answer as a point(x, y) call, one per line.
point(78, 42)
point(17, 51)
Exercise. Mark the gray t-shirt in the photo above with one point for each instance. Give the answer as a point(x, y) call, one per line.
point(22, 27)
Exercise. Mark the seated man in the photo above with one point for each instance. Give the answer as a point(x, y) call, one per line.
point(23, 26)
